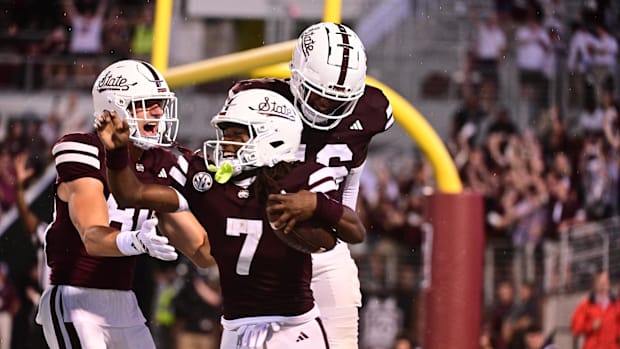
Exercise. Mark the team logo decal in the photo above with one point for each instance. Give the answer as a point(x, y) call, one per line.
point(243, 194)
point(271, 108)
point(202, 181)
point(114, 83)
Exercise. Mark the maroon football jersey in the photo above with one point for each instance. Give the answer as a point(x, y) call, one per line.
point(79, 155)
point(259, 274)
point(345, 146)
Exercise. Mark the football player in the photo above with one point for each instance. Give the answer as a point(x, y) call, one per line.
point(267, 300)
point(341, 116)
point(92, 243)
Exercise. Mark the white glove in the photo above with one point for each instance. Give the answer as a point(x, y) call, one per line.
point(145, 240)
point(254, 336)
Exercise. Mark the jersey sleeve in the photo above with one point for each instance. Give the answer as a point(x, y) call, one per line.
point(313, 177)
point(190, 175)
point(79, 155)
point(179, 174)
point(380, 106)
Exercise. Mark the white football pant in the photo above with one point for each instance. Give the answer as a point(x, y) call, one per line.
point(336, 289)
point(78, 317)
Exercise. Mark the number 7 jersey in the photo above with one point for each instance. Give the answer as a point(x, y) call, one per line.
point(259, 274)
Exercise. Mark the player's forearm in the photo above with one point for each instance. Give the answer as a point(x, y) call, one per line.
point(129, 191)
point(188, 236)
point(100, 241)
point(344, 220)
point(352, 186)
point(350, 228)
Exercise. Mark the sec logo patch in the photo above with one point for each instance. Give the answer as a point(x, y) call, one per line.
point(202, 181)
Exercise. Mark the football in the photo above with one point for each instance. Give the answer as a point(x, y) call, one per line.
point(308, 237)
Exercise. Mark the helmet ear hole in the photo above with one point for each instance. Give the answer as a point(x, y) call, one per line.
point(276, 143)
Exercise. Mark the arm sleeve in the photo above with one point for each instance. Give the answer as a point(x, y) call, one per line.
point(352, 186)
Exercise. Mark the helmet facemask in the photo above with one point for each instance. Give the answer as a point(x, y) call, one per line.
point(244, 158)
point(147, 132)
point(340, 104)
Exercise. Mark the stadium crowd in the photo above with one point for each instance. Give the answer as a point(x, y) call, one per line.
point(541, 171)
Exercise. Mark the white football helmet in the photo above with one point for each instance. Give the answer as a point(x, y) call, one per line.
point(329, 61)
point(274, 126)
point(128, 85)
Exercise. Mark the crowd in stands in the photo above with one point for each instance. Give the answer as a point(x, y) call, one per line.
point(543, 167)
point(65, 43)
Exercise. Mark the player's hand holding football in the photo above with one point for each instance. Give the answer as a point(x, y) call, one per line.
point(112, 130)
point(146, 240)
point(287, 209)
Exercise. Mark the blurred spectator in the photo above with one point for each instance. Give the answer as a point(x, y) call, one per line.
point(466, 124)
point(611, 124)
point(597, 185)
point(405, 293)
point(591, 117)
point(54, 49)
point(142, 39)
point(535, 339)
point(404, 341)
point(500, 313)
point(532, 50)
point(502, 123)
point(380, 322)
point(579, 62)
point(51, 127)
point(555, 62)
point(38, 278)
point(7, 180)
point(16, 141)
point(554, 138)
point(490, 49)
point(72, 119)
point(86, 42)
point(168, 280)
point(117, 33)
point(523, 315)
point(563, 211)
point(485, 337)
point(597, 317)
point(197, 310)
point(32, 224)
point(603, 49)
point(9, 306)
point(554, 9)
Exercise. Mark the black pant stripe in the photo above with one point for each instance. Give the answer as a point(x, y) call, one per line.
point(73, 336)
point(56, 319)
point(323, 331)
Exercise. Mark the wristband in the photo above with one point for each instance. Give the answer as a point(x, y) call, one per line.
point(328, 210)
point(183, 204)
point(124, 242)
point(117, 159)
